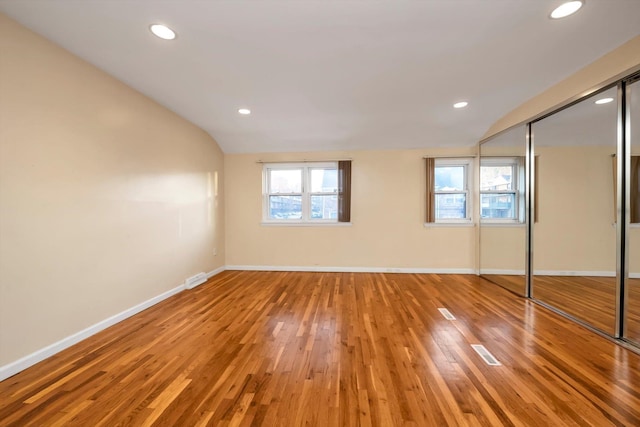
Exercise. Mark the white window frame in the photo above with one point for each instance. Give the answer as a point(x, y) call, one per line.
point(517, 189)
point(467, 164)
point(305, 195)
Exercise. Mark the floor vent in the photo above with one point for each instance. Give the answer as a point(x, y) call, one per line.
point(196, 280)
point(447, 314)
point(486, 356)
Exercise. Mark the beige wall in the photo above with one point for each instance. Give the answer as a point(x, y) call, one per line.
point(575, 229)
point(503, 249)
point(387, 218)
point(634, 232)
point(634, 251)
point(106, 198)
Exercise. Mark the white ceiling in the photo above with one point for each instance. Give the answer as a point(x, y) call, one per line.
point(335, 74)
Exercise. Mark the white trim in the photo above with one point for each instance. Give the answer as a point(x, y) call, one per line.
point(468, 166)
point(557, 273)
point(305, 192)
point(504, 272)
point(322, 269)
point(305, 224)
point(574, 273)
point(29, 360)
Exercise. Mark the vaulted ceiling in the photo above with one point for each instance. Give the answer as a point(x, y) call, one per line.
point(336, 74)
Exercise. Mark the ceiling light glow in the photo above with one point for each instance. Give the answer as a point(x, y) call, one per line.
point(566, 9)
point(163, 31)
point(460, 104)
point(244, 111)
point(604, 101)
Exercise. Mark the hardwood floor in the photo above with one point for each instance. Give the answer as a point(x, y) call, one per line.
point(333, 349)
point(588, 298)
point(515, 283)
point(591, 299)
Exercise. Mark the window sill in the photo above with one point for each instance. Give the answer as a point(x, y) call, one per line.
point(304, 224)
point(448, 224)
point(502, 224)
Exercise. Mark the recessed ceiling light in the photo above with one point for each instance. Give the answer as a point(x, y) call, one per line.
point(604, 101)
point(566, 9)
point(460, 104)
point(163, 31)
point(244, 111)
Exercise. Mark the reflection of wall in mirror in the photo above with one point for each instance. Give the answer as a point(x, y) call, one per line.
point(503, 249)
point(575, 231)
point(634, 239)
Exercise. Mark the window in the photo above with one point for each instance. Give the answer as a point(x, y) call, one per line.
point(502, 189)
point(306, 192)
point(448, 190)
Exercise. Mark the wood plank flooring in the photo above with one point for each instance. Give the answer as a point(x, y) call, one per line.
point(333, 349)
point(515, 283)
point(588, 298)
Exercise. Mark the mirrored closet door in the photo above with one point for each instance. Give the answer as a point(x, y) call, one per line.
point(632, 318)
point(574, 233)
point(503, 235)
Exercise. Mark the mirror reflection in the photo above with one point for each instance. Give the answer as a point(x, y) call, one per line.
point(502, 210)
point(633, 288)
point(574, 233)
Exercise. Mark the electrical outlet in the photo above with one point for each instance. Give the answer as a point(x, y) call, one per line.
point(215, 251)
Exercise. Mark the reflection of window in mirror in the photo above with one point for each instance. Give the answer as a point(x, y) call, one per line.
point(502, 189)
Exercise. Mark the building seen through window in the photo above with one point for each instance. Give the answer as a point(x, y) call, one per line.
point(303, 192)
point(500, 189)
point(451, 189)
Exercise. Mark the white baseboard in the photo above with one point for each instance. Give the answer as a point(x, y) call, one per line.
point(574, 273)
point(322, 269)
point(23, 363)
point(502, 272)
point(558, 273)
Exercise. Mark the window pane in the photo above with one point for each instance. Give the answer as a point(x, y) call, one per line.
point(324, 180)
point(324, 207)
point(285, 180)
point(449, 178)
point(498, 205)
point(451, 206)
point(496, 178)
point(285, 207)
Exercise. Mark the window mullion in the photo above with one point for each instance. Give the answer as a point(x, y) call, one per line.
point(306, 179)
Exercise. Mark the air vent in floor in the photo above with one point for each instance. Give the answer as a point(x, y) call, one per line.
point(196, 280)
point(447, 314)
point(486, 356)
